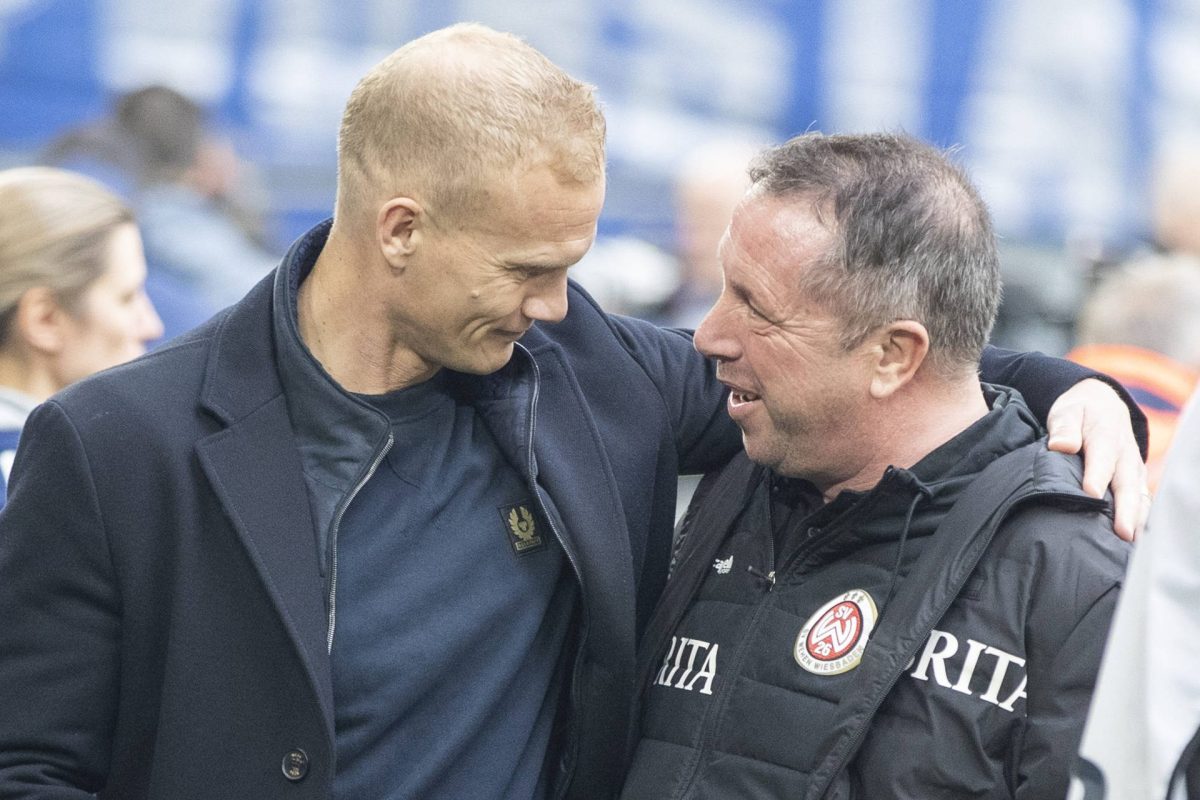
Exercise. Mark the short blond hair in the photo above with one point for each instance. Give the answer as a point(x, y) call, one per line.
point(448, 112)
point(55, 228)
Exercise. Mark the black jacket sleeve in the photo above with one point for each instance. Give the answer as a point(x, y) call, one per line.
point(1041, 379)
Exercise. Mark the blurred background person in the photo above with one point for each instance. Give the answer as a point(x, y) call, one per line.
point(675, 283)
point(206, 245)
point(72, 299)
point(1175, 198)
point(710, 180)
point(1141, 325)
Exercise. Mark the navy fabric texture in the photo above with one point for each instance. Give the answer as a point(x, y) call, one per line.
point(434, 687)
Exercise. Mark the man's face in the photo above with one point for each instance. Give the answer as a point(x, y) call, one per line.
point(472, 290)
point(796, 394)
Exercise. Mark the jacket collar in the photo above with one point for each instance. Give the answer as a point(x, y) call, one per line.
point(240, 375)
point(877, 514)
point(337, 434)
point(535, 402)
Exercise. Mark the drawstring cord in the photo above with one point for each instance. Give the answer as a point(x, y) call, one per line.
point(923, 492)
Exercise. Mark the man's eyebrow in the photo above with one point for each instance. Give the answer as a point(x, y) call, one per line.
point(740, 291)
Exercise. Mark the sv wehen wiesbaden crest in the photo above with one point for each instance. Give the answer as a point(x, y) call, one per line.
point(523, 534)
point(833, 639)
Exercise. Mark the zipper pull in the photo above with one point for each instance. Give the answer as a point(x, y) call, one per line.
point(768, 578)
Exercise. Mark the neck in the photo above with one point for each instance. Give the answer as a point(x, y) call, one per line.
point(27, 375)
point(911, 424)
point(345, 324)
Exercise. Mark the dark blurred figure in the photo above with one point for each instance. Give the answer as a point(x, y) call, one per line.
point(1141, 325)
point(204, 247)
point(72, 299)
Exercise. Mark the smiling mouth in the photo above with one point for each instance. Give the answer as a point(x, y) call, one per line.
point(740, 398)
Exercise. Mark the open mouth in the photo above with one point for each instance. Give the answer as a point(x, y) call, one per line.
point(740, 398)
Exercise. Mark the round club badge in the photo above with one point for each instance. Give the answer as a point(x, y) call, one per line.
point(833, 639)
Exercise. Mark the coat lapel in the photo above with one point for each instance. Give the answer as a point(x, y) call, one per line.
point(575, 470)
point(255, 472)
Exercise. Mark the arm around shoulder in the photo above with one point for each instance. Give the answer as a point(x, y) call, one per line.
point(1043, 379)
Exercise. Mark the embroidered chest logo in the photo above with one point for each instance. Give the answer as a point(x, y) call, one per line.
point(833, 639)
point(723, 565)
point(523, 533)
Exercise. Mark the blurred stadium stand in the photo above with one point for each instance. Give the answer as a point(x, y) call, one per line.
point(1057, 105)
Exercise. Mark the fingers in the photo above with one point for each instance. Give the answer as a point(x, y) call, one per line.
point(1090, 416)
point(1131, 499)
point(1112, 460)
point(1064, 424)
point(1101, 456)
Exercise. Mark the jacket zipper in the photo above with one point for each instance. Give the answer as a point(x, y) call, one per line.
point(333, 532)
point(711, 724)
point(769, 577)
point(531, 468)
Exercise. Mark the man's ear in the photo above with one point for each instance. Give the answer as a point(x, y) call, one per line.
point(40, 321)
point(901, 347)
point(398, 229)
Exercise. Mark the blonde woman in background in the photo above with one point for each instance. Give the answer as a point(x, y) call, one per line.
point(72, 298)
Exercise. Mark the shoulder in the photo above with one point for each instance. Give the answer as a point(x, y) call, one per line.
point(1052, 519)
point(144, 382)
point(622, 362)
point(1060, 535)
point(590, 330)
point(719, 494)
point(153, 398)
point(1053, 503)
point(1061, 546)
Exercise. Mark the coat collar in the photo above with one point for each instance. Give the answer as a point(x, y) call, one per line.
point(876, 515)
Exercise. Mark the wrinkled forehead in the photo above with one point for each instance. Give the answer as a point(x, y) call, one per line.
point(783, 230)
